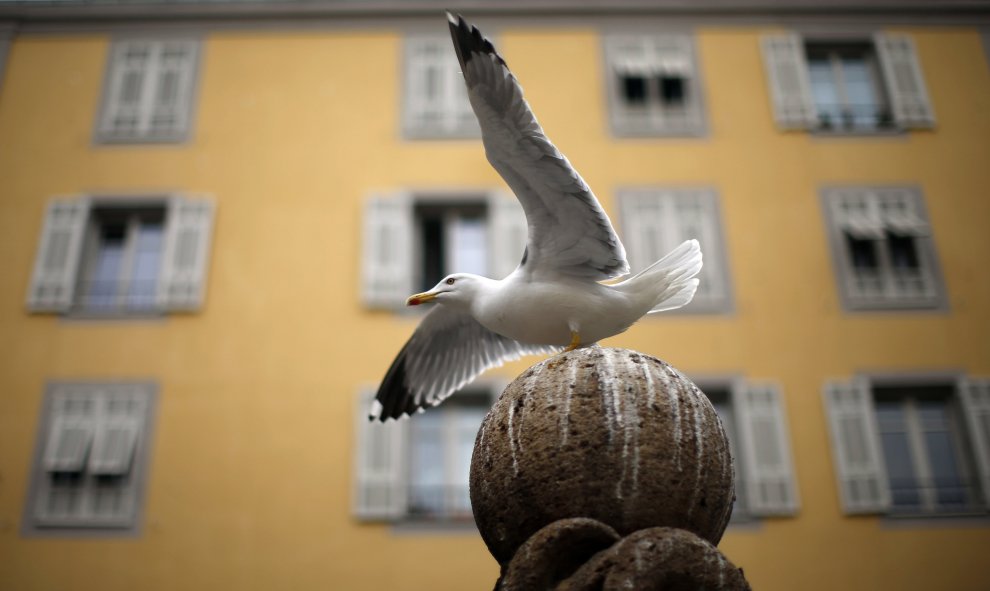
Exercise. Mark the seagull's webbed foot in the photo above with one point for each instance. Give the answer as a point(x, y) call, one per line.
point(575, 342)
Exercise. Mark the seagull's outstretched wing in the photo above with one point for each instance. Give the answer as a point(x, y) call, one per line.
point(448, 350)
point(569, 232)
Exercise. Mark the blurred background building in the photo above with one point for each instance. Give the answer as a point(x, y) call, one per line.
point(211, 213)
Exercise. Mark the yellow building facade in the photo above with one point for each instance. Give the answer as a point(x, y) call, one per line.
point(245, 457)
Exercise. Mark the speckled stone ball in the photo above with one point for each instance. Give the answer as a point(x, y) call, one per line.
point(607, 434)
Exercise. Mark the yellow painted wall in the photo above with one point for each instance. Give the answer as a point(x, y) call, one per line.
point(251, 463)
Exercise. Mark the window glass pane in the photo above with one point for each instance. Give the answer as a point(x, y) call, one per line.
point(427, 463)
point(469, 248)
point(101, 285)
point(863, 253)
point(862, 100)
point(824, 92)
point(147, 261)
point(433, 250)
point(903, 253)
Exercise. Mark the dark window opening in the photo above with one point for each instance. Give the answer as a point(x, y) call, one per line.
point(672, 90)
point(863, 253)
point(903, 252)
point(634, 89)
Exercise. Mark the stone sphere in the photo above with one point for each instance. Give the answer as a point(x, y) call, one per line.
point(608, 434)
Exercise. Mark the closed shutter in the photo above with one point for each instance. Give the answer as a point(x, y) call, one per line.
point(57, 260)
point(770, 483)
point(171, 90)
point(437, 103)
point(905, 82)
point(379, 472)
point(787, 74)
point(649, 226)
point(186, 253)
point(696, 216)
point(388, 251)
point(508, 233)
point(974, 396)
point(856, 451)
point(128, 89)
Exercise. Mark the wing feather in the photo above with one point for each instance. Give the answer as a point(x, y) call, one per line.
point(569, 232)
point(448, 349)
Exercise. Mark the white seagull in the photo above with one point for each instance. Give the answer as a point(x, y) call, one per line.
point(554, 299)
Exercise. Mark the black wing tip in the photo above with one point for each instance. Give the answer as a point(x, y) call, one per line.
point(394, 399)
point(468, 40)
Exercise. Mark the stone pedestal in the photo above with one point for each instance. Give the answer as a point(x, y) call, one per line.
point(604, 469)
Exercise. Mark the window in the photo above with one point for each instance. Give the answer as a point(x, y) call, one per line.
point(859, 85)
point(413, 241)
point(436, 101)
point(882, 248)
point(754, 421)
point(846, 87)
point(148, 95)
point(417, 470)
point(91, 458)
point(655, 221)
point(653, 85)
point(911, 447)
point(112, 256)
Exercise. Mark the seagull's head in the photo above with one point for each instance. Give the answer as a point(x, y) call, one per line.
point(456, 289)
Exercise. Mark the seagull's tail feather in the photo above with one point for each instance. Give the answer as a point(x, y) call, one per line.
point(669, 283)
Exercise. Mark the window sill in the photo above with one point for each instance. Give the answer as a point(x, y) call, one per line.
point(935, 520)
point(440, 526)
point(894, 132)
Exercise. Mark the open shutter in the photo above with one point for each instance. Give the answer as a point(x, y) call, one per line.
point(770, 486)
point(379, 471)
point(171, 88)
point(974, 396)
point(790, 88)
point(856, 451)
point(57, 260)
point(508, 234)
point(186, 253)
point(388, 251)
point(905, 83)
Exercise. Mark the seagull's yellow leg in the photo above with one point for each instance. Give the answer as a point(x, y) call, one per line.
point(575, 341)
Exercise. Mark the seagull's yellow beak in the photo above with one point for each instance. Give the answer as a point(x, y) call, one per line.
point(421, 298)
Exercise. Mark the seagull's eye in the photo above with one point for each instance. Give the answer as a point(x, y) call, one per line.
point(450, 281)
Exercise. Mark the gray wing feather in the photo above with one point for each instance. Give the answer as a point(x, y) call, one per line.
point(448, 349)
point(569, 231)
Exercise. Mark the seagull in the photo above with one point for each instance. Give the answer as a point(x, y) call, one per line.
point(556, 299)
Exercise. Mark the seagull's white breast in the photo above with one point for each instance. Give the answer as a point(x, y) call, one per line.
point(544, 312)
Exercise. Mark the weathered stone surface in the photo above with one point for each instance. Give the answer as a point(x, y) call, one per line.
point(607, 434)
point(655, 559)
point(554, 552)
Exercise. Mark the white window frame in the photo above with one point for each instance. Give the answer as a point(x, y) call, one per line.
point(393, 247)
point(123, 469)
point(653, 53)
point(861, 474)
point(184, 75)
point(786, 66)
point(766, 483)
point(450, 115)
point(59, 260)
point(653, 225)
point(869, 213)
point(381, 482)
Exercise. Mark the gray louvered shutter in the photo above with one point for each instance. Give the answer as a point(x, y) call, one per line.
point(128, 89)
point(171, 88)
point(770, 482)
point(117, 434)
point(905, 82)
point(56, 263)
point(859, 464)
point(974, 395)
point(508, 234)
point(388, 251)
point(70, 437)
point(787, 74)
point(185, 253)
point(379, 471)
